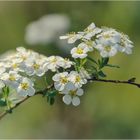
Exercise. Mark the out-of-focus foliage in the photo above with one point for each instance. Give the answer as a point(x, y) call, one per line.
point(107, 110)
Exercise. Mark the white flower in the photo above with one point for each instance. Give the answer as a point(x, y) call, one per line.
point(80, 51)
point(2, 68)
point(53, 63)
point(84, 74)
point(60, 80)
point(47, 29)
point(106, 48)
point(110, 35)
point(89, 45)
point(11, 79)
point(35, 68)
point(23, 54)
point(125, 45)
point(72, 37)
point(71, 94)
point(77, 79)
point(25, 88)
point(66, 63)
point(91, 31)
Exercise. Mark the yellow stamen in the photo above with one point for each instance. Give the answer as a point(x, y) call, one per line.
point(24, 86)
point(36, 66)
point(77, 79)
point(79, 51)
point(107, 48)
point(64, 80)
point(12, 78)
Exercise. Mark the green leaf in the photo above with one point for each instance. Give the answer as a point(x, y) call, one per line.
point(113, 66)
point(101, 74)
point(52, 100)
point(3, 103)
point(92, 60)
point(103, 62)
point(132, 80)
point(51, 96)
point(6, 90)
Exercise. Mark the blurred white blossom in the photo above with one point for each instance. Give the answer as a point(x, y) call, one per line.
point(47, 29)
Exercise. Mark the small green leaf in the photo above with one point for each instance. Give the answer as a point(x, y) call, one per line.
point(103, 62)
point(101, 74)
point(113, 66)
point(3, 103)
point(52, 100)
point(92, 60)
point(132, 80)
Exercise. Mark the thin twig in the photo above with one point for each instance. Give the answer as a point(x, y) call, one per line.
point(130, 81)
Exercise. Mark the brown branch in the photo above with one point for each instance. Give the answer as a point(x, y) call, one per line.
point(41, 92)
point(130, 82)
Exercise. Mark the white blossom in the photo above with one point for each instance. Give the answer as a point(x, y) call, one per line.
point(60, 80)
point(47, 29)
point(72, 37)
point(77, 79)
point(125, 45)
point(71, 94)
point(52, 63)
point(11, 78)
point(80, 51)
point(25, 87)
point(107, 49)
point(110, 35)
point(66, 63)
point(91, 31)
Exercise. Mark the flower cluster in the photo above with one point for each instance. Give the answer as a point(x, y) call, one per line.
point(17, 70)
point(107, 41)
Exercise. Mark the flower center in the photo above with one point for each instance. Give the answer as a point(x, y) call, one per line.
point(36, 66)
point(64, 80)
point(77, 79)
point(15, 66)
point(107, 48)
point(72, 92)
point(79, 51)
point(106, 36)
point(54, 60)
point(12, 78)
point(24, 86)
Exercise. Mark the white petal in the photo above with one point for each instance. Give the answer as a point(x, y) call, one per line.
point(70, 86)
point(31, 91)
point(63, 37)
point(58, 86)
point(80, 92)
point(1, 84)
point(22, 92)
point(76, 101)
point(67, 99)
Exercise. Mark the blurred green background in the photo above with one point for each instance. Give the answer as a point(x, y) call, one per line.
point(106, 110)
